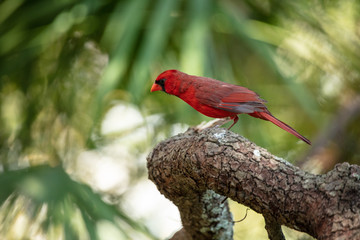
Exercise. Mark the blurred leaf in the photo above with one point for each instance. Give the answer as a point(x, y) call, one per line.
point(152, 45)
point(196, 37)
point(63, 197)
point(120, 37)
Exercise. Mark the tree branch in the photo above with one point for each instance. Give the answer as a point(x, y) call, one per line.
point(197, 168)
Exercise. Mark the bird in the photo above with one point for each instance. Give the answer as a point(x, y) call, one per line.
point(217, 99)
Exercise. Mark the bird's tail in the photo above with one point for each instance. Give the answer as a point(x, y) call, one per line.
point(267, 116)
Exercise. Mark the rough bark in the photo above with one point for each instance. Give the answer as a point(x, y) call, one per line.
point(196, 169)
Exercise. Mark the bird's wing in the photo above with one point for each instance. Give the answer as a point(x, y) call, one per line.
point(242, 100)
point(231, 98)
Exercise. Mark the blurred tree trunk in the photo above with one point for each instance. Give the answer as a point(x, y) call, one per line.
point(197, 170)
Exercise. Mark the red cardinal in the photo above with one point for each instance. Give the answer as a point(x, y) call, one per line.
point(217, 99)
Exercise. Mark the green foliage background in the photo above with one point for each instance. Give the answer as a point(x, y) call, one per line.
point(64, 63)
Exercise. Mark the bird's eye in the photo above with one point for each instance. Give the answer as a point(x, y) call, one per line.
point(160, 81)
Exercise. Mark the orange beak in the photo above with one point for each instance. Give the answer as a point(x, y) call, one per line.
point(155, 87)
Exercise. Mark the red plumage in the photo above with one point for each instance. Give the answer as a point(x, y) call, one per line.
point(217, 99)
